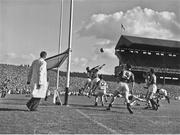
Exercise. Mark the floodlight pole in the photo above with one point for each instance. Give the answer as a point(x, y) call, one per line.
point(69, 56)
point(59, 50)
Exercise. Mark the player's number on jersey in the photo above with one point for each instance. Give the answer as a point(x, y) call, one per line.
point(126, 75)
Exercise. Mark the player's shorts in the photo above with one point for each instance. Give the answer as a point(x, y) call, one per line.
point(98, 93)
point(123, 89)
point(152, 88)
point(151, 91)
point(88, 80)
point(95, 80)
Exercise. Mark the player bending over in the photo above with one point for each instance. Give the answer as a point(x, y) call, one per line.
point(162, 93)
point(125, 77)
point(99, 90)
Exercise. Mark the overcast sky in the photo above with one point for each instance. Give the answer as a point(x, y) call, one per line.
point(29, 26)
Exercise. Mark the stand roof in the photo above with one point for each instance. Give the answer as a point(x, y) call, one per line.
point(149, 44)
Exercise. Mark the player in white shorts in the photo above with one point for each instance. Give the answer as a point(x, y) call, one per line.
point(125, 77)
point(162, 93)
point(99, 90)
point(152, 88)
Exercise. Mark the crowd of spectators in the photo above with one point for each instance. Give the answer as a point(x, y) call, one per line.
point(17, 76)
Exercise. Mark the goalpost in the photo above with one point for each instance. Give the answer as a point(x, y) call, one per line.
point(57, 60)
point(69, 49)
point(59, 50)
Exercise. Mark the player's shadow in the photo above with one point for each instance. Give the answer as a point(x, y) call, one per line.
point(124, 107)
point(80, 105)
point(97, 108)
point(12, 109)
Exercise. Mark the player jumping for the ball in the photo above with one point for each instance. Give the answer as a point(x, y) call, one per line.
point(92, 74)
point(125, 77)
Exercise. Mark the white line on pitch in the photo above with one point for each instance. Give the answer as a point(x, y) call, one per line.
point(98, 123)
point(96, 114)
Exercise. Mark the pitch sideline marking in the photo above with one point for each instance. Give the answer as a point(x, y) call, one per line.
point(96, 114)
point(98, 123)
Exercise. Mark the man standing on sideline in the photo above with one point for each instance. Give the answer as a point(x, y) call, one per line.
point(38, 78)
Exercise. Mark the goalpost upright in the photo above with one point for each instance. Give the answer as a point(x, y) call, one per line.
point(59, 51)
point(69, 52)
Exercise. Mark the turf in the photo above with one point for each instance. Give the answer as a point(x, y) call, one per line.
point(81, 117)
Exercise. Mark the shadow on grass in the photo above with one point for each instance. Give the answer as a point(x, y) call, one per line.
point(96, 108)
point(124, 107)
point(13, 103)
point(80, 105)
point(11, 109)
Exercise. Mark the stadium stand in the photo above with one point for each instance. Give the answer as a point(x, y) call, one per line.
point(143, 53)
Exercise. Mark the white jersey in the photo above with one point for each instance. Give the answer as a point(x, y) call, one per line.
point(126, 76)
point(163, 92)
point(102, 86)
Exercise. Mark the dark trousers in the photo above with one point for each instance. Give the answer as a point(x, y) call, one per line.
point(33, 103)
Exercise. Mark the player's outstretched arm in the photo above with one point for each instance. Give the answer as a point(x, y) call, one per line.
point(95, 67)
point(102, 66)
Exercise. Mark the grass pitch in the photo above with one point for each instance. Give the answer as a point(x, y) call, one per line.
point(81, 117)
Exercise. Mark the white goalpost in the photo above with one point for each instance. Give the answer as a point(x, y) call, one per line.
point(57, 60)
point(69, 56)
point(56, 93)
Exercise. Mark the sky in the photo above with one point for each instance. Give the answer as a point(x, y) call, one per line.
point(28, 27)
